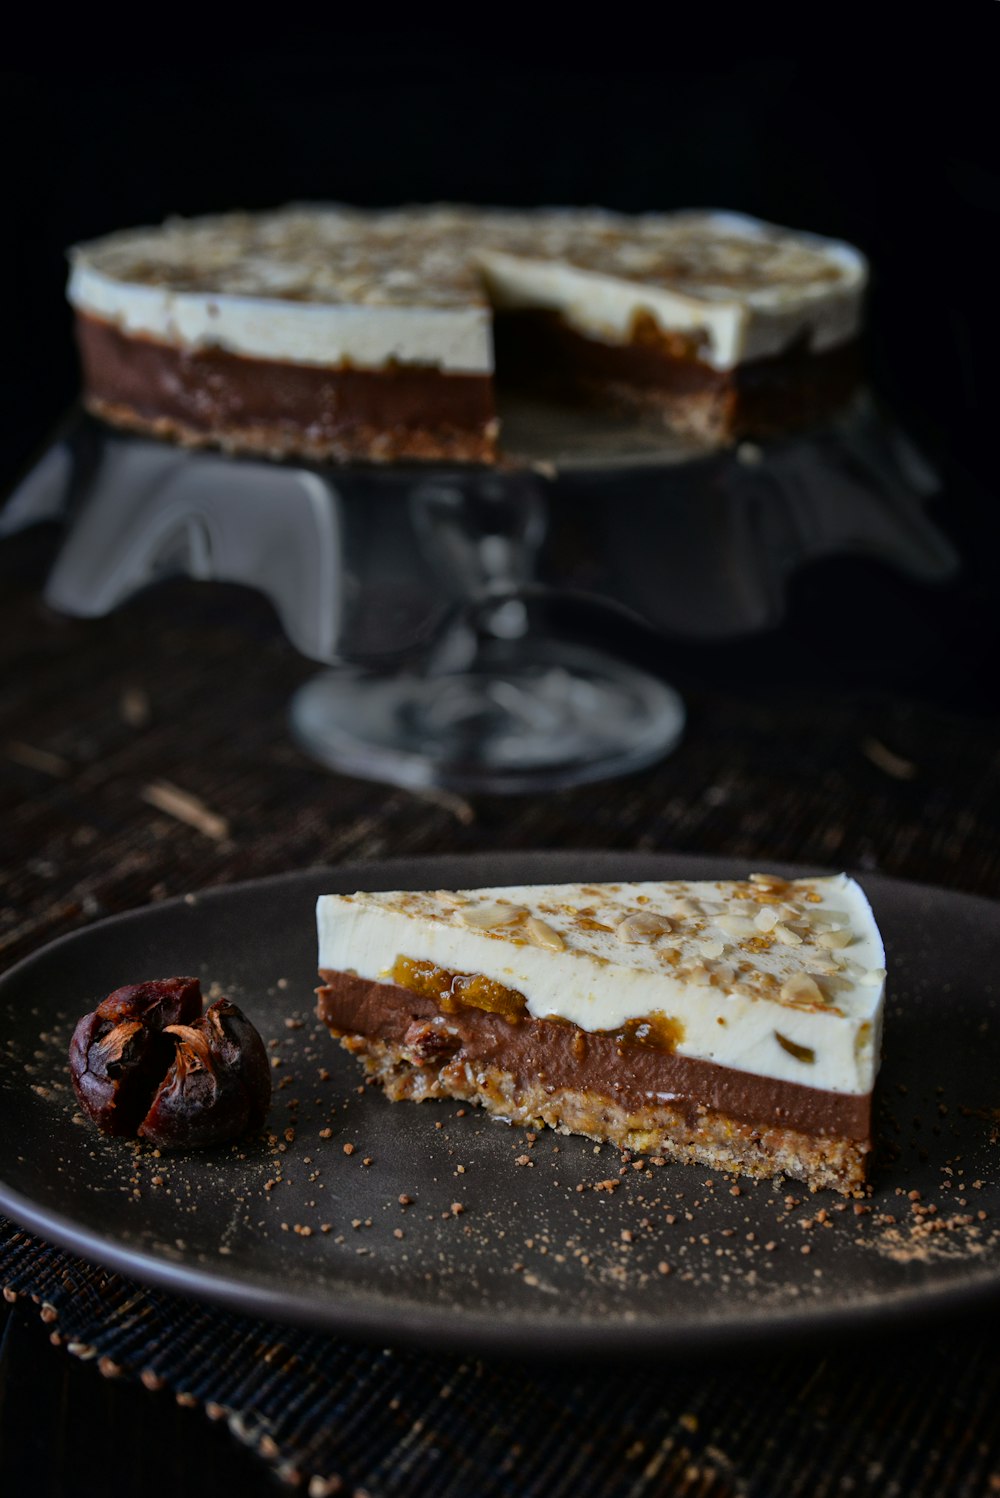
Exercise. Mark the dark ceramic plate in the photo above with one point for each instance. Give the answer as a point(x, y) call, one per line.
point(443, 1227)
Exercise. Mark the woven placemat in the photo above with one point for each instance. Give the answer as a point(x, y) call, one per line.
point(332, 1417)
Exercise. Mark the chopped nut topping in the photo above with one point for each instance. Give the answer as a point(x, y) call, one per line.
point(642, 926)
point(540, 934)
point(450, 897)
point(787, 936)
point(711, 949)
point(766, 920)
point(835, 938)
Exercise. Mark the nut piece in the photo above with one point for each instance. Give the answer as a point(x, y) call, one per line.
point(542, 935)
point(801, 989)
point(487, 917)
point(712, 948)
point(832, 939)
point(684, 905)
point(119, 1053)
point(735, 925)
point(430, 1042)
point(643, 926)
point(219, 1086)
point(450, 897)
point(787, 936)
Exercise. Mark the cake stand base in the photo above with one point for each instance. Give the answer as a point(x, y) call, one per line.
point(563, 715)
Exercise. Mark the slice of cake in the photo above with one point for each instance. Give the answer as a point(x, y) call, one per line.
point(349, 334)
point(718, 325)
point(736, 1024)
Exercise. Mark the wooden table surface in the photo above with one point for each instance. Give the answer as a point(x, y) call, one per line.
point(863, 739)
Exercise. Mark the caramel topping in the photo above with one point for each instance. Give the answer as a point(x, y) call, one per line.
point(453, 991)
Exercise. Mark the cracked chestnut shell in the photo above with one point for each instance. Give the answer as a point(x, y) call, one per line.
point(219, 1085)
point(120, 1052)
point(148, 1062)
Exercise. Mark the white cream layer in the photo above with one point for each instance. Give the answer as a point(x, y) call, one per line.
point(731, 1014)
point(456, 339)
point(750, 325)
point(327, 285)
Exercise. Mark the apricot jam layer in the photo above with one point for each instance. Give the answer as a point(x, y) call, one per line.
point(454, 991)
point(658, 1030)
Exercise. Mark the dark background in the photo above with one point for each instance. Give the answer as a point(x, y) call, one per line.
point(888, 139)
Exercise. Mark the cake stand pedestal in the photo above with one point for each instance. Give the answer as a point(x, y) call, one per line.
point(424, 588)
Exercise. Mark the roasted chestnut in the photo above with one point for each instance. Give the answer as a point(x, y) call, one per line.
point(148, 1062)
point(119, 1054)
point(219, 1085)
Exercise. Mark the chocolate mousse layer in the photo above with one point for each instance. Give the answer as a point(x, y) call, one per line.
point(662, 373)
point(559, 1055)
point(212, 397)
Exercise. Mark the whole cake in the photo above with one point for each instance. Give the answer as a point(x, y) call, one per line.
point(329, 332)
point(733, 1023)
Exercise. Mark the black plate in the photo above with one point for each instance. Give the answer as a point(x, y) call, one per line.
point(531, 1262)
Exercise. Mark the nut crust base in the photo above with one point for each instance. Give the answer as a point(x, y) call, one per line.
point(716, 1141)
point(361, 444)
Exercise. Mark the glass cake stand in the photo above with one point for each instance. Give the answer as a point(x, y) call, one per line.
point(424, 589)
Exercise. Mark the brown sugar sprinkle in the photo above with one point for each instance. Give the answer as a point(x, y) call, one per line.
point(326, 1133)
point(404, 1200)
point(348, 1149)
